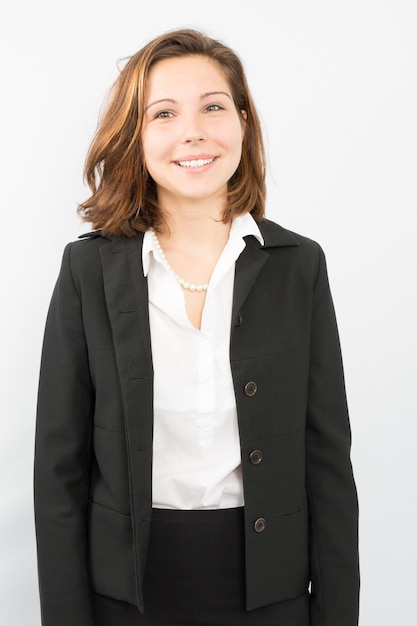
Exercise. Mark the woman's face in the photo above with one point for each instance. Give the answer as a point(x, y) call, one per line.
point(192, 133)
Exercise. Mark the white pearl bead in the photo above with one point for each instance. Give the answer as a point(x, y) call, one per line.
point(180, 281)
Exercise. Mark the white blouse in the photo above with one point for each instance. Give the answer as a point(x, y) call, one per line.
point(196, 449)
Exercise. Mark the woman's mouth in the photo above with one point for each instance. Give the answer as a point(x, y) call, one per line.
point(196, 162)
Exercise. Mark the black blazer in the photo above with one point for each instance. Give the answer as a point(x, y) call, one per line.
point(94, 431)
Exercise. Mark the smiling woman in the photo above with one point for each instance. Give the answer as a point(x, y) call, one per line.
point(161, 84)
point(193, 441)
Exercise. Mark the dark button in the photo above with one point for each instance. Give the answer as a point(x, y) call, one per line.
point(251, 388)
point(255, 457)
point(259, 525)
point(239, 319)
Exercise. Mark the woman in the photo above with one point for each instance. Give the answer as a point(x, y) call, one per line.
point(192, 450)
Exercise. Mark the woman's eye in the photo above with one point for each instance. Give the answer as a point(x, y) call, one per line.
point(163, 114)
point(214, 107)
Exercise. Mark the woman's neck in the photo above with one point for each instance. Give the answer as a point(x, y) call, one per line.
point(194, 226)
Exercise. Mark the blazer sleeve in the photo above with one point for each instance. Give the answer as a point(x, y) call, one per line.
point(61, 473)
point(333, 506)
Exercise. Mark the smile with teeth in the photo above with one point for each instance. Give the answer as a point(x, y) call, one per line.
point(195, 162)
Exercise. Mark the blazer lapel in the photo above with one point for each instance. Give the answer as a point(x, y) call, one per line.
point(248, 266)
point(254, 257)
point(127, 296)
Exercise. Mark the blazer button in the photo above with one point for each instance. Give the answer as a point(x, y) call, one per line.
point(259, 525)
point(239, 319)
point(256, 457)
point(250, 389)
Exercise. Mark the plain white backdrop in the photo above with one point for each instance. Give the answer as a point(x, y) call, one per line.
point(335, 85)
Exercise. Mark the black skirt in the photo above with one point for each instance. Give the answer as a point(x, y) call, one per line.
point(195, 576)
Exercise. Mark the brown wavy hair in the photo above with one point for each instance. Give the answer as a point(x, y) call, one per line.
point(123, 197)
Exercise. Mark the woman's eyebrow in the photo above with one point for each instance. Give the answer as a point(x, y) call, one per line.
point(159, 101)
point(215, 93)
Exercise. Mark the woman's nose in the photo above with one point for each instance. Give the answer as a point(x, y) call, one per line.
point(194, 131)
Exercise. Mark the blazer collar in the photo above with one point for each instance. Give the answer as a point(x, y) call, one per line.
point(275, 236)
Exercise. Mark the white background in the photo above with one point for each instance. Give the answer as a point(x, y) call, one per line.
point(335, 84)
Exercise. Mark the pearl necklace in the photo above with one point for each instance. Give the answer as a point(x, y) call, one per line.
point(183, 283)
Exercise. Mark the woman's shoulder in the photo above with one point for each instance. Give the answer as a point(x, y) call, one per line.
point(84, 249)
point(89, 244)
point(84, 254)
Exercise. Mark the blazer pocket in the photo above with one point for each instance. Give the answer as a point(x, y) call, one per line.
point(110, 553)
point(291, 534)
point(277, 559)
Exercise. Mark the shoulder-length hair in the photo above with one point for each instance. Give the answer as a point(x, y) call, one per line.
point(123, 197)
